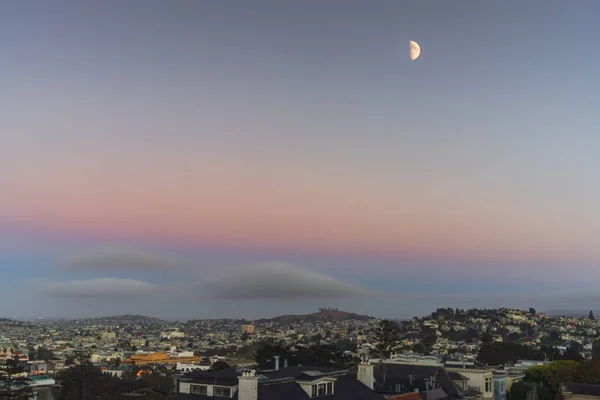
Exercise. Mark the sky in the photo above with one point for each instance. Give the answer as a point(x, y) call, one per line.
point(198, 159)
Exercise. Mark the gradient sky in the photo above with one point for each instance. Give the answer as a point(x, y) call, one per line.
point(226, 137)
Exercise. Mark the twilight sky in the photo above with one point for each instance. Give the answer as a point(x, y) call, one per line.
point(248, 158)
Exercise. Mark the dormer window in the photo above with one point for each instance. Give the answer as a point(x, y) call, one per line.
point(322, 389)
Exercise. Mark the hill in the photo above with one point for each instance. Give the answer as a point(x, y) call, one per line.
point(10, 322)
point(323, 315)
point(122, 320)
point(571, 313)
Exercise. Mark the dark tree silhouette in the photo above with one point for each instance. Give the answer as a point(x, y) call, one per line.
point(596, 349)
point(12, 386)
point(518, 391)
point(43, 353)
point(591, 315)
point(387, 338)
point(265, 352)
point(418, 348)
point(219, 365)
point(245, 336)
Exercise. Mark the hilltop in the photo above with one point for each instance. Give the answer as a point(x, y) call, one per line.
point(323, 315)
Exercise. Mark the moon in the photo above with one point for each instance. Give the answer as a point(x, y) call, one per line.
point(415, 50)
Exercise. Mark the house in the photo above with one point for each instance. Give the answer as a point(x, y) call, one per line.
point(480, 378)
point(290, 383)
point(395, 379)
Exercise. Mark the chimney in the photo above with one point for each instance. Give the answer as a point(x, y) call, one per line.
point(248, 386)
point(276, 363)
point(365, 374)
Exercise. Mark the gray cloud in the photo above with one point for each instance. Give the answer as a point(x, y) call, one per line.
point(278, 281)
point(100, 288)
point(120, 258)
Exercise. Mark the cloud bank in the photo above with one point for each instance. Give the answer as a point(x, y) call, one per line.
point(100, 288)
point(278, 281)
point(120, 258)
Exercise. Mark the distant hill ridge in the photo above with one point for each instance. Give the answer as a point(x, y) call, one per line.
point(126, 318)
point(322, 315)
point(575, 313)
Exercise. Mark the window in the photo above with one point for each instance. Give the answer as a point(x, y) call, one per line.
point(322, 389)
point(221, 391)
point(488, 384)
point(198, 389)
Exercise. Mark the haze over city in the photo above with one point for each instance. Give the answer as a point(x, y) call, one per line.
point(198, 160)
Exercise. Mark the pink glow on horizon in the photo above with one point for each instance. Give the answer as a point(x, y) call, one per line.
point(292, 210)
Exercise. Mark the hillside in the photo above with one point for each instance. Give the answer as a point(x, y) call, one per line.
point(121, 320)
point(324, 315)
point(9, 322)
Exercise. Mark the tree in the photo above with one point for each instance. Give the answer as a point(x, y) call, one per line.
point(43, 353)
point(387, 338)
point(219, 365)
point(591, 315)
point(12, 386)
point(86, 382)
point(518, 391)
point(323, 356)
point(69, 360)
point(428, 341)
point(596, 349)
point(418, 348)
point(573, 352)
point(532, 311)
point(486, 338)
point(245, 336)
point(265, 352)
point(31, 352)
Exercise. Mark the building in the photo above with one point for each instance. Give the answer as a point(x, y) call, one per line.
point(290, 383)
point(431, 381)
point(172, 333)
point(249, 329)
point(37, 368)
point(108, 336)
point(187, 367)
point(416, 359)
point(43, 387)
point(480, 378)
point(161, 358)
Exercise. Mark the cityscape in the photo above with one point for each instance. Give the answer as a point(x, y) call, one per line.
point(452, 353)
point(299, 199)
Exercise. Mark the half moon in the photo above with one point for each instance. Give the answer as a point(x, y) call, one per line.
point(415, 49)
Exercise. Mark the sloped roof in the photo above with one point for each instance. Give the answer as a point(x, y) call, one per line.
point(582, 389)
point(388, 375)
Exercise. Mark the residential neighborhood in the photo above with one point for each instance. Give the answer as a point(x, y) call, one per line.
point(451, 353)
